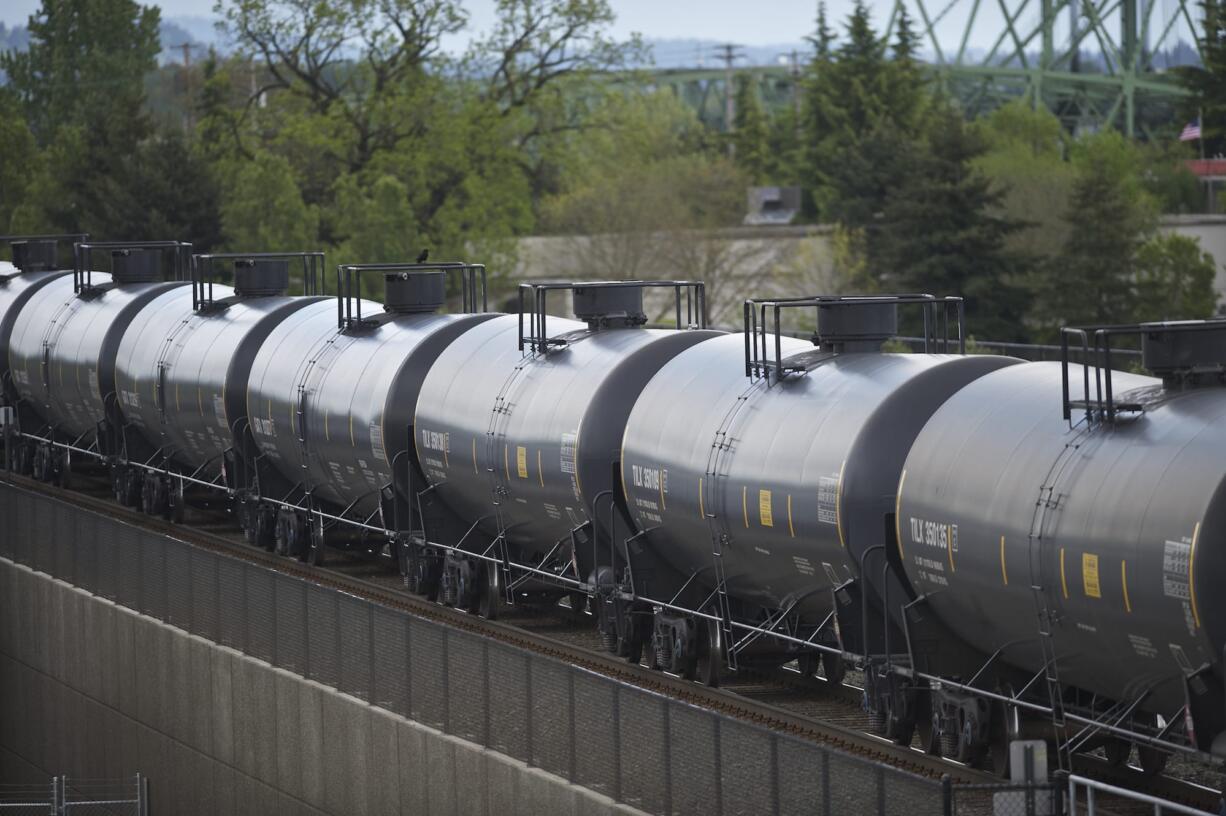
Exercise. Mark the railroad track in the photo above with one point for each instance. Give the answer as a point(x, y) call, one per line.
point(782, 700)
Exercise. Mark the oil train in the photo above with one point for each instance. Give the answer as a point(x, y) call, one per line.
point(1005, 549)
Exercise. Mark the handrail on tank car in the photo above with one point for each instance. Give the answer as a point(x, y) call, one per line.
point(936, 312)
point(1104, 405)
point(203, 265)
point(82, 273)
point(71, 237)
point(349, 287)
point(695, 295)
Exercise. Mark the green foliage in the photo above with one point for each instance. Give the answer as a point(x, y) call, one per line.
point(1174, 280)
point(1109, 216)
point(18, 159)
point(85, 65)
point(1025, 159)
point(263, 208)
point(1207, 81)
point(751, 132)
point(941, 232)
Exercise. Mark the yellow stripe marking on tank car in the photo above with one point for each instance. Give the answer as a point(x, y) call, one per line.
point(521, 461)
point(1004, 570)
point(475, 457)
point(949, 546)
point(1124, 584)
point(702, 511)
point(540, 472)
point(506, 460)
point(352, 444)
point(1063, 576)
point(745, 504)
point(270, 410)
point(663, 506)
point(765, 517)
point(791, 529)
point(200, 400)
point(327, 432)
point(1192, 575)
point(898, 512)
point(838, 505)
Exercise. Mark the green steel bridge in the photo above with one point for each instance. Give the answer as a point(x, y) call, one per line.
point(1094, 63)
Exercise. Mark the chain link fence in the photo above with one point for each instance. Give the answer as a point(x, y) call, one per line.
point(642, 749)
point(70, 796)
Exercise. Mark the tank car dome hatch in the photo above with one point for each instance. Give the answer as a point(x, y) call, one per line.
point(36, 255)
point(1184, 353)
point(606, 305)
point(136, 266)
point(412, 292)
point(856, 326)
point(261, 277)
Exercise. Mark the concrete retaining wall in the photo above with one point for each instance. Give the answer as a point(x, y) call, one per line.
point(91, 689)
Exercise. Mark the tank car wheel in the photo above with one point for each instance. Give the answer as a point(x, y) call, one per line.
point(1118, 751)
point(834, 668)
point(631, 648)
point(25, 459)
point(132, 484)
point(807, 663)
point(899, 729)
point(178, 508)
point(710, 653)
point(1152, 761)
point(491, 591)
point(578, 606)
point(310, 537)
point(970, 751)
point(62, 469)
point(281, 536)
point(928, 723)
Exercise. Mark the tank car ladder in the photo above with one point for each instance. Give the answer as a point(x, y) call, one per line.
point(1049, 500)
point(500, 414)
point(719, 535)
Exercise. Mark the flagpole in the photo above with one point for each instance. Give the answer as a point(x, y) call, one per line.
point(1200, 120)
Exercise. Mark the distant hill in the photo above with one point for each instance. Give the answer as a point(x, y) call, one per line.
point(173, 32)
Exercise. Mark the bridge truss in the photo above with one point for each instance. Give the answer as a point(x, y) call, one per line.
point(1096, 64)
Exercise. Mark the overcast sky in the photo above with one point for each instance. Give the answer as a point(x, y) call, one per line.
point(753, 22)
point(745, 22)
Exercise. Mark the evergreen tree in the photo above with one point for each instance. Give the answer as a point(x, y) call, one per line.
point(752, 132)
point(85, 65)
point(1207, 81)
point(940, 232)
point(1091, 281)
point(18, 159)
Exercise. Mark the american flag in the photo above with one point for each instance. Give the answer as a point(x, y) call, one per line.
point(1191, 132)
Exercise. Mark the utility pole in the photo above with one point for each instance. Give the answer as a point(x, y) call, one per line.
point(188, 118)
point(728, 53)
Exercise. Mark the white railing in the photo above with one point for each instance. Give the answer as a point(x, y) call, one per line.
point(1092, 786)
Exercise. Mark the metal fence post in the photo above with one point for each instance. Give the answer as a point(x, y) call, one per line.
point(880, 772)
point(617, 743)
point(572, 763)
point(947, 795)
point(826, 798)
point(668, 757)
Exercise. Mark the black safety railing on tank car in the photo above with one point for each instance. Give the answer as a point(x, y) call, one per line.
point(1102, 403)
point(689, 302)
point(58, 238)
point(472, 279)
point(759, 331)
point(205, 266)
point(179, 252)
